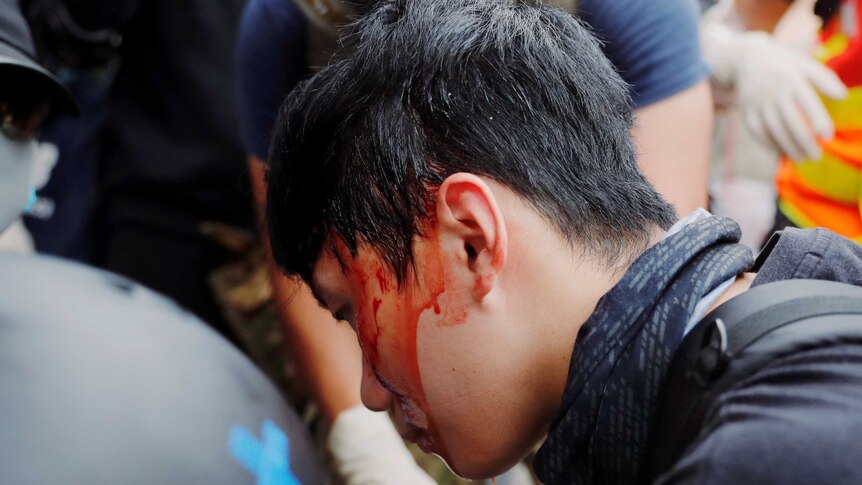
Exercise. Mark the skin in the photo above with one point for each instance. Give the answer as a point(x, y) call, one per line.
point(679, 171)
point(327, 356)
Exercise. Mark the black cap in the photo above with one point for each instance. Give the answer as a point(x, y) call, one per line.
point(18, 53)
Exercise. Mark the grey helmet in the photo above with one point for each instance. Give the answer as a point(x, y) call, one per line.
point(104, 382)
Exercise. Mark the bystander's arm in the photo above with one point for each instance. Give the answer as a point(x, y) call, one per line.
point(327, 354)
point(655, 48)
point(672, 138)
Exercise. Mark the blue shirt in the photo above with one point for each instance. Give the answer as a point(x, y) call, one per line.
point(653, 44)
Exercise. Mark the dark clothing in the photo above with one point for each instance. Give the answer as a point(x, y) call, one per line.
point(798, 419)
point(780, 223)
point(102, 14)
point(602, 430)
point(654, 45)
point(172, 157)
point(61, 222)
point(270, 60)
point(164, 156)
point(814, 254)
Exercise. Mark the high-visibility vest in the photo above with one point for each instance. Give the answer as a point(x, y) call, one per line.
point(828, 192)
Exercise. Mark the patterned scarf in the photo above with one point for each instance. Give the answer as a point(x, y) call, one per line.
point(602, 431)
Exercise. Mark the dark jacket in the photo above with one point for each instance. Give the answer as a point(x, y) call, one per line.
point(798, 419)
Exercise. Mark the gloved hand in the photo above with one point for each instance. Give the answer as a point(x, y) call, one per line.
point(776, 88)
point(368, 450)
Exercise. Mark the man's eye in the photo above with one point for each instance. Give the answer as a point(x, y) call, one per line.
point(344, 315)
point(21, 124)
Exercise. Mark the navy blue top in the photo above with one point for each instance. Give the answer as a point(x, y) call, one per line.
point(654, 45)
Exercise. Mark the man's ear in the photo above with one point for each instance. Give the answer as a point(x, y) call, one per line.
point(472, 226)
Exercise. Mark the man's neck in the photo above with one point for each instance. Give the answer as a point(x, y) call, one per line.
point(579, 287)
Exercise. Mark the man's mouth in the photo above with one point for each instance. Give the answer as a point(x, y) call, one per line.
point(421, 438)
point(413, 425)
point(411, 433)
point(425, 443)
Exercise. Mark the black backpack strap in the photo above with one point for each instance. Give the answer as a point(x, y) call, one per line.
point(738, 338)
point(752, 328)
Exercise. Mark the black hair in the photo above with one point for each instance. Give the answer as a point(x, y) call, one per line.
point(514, 91)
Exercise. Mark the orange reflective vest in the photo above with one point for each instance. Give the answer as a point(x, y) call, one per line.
point(828, 192)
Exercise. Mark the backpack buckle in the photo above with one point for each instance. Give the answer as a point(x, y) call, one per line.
point(712, 358)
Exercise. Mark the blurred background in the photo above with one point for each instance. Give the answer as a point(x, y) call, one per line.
point(745, 107)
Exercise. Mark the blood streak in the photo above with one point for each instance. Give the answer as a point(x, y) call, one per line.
point(377, 302)
point(383, 279)
point(367, 328)
point(388, 317)
point(435, 280)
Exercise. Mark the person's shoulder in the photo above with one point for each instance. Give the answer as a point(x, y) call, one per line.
point(809, 254)
point(795, 421)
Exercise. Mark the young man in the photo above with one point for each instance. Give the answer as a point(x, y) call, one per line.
point(462, 188)
point(654, 47)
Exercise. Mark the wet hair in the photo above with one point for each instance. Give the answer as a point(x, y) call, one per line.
point(514, 91)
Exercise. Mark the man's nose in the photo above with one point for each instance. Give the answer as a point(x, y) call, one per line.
point(374, 395)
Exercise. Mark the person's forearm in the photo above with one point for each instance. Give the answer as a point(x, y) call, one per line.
point(672, 138)
point(327, 355)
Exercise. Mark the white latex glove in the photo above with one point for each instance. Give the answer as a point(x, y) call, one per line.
point(776, 88)
point(368, 451)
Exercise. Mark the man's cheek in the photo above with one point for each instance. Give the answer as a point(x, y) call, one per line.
point(391, 351)
point(368, 331)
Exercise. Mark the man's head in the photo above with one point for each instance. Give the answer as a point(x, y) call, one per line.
point(461, 187)
point(28, 93)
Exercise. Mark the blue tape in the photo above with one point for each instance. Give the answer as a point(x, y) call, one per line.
point(267, 459)
point(31, 201)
